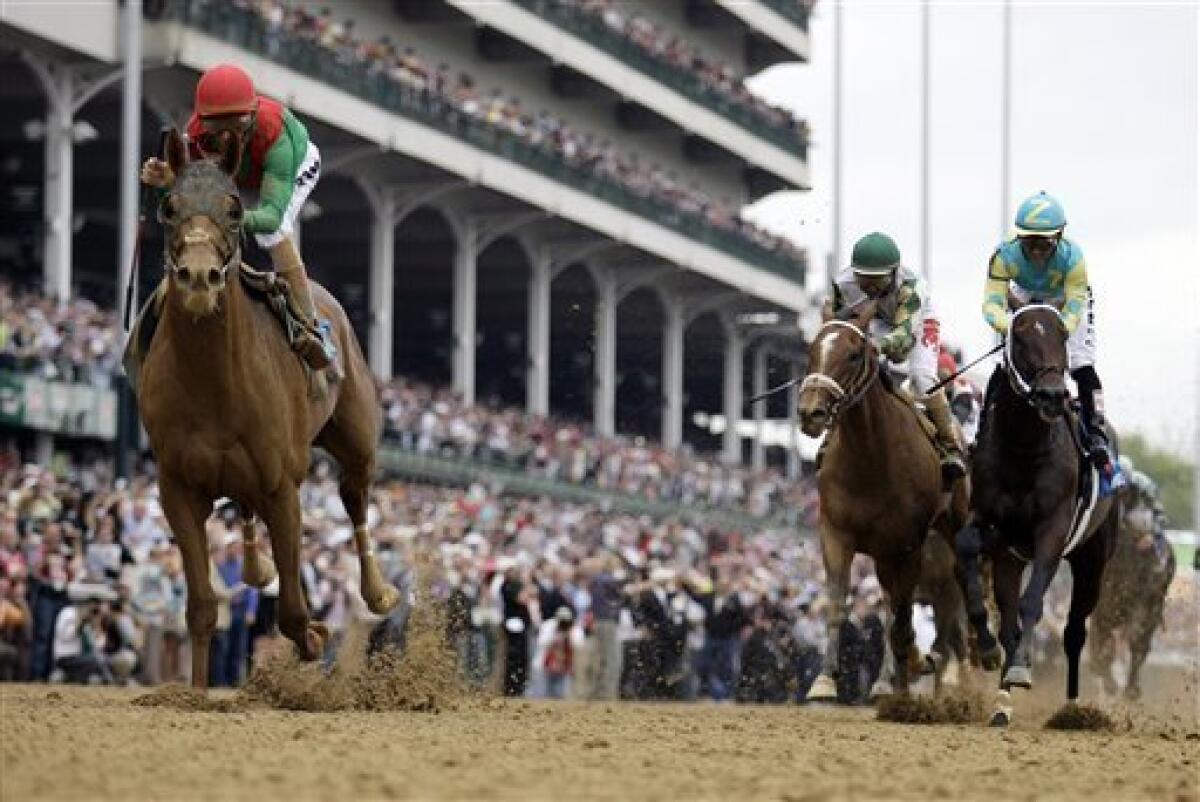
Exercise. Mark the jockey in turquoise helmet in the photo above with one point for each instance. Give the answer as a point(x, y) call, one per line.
point(905, 329)
point(1040, 265)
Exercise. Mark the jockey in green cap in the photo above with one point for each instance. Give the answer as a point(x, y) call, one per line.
point(1039, 265)
point(905, 329)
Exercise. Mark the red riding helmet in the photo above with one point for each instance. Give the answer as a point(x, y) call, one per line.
point(225, 89)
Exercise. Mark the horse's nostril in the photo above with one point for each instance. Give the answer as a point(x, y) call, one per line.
point(185, 275)
point(214, 276)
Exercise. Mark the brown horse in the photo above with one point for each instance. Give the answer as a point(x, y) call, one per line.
point(880, 483)
point(1132, 596)
point(232, 412)
point(1025, 474)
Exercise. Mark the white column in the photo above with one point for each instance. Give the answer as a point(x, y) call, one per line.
point(1005, 115)
point(838, 83)
point(926, 135)
point(382, 284)
point(672, 373)
point(465, 266)
point(605, 403)
point(537, 393)
point(43, 447)
point(734, 348)
point(59, 185)
point(793, 451)
point(758, 379)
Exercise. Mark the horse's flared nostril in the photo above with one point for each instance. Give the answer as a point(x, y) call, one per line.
point(214, 277)
point(185, 275)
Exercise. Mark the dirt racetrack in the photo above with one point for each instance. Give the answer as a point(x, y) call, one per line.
point(87, 743)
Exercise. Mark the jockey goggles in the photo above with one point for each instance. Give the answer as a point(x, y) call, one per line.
point(239, 123)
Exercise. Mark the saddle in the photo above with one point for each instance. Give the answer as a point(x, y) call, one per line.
point(894, 386)
point(262, 285)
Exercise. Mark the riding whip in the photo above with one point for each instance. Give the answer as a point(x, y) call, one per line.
point(787, 385)
point(147, 193)
point(964, 369)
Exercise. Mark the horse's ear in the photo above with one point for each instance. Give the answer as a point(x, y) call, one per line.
point(1014, 303)
point(177, 154)
point(231, 152)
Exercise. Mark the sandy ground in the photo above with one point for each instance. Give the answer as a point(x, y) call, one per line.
point(88, 743)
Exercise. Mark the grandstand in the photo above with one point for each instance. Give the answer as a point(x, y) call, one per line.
point(534, 202)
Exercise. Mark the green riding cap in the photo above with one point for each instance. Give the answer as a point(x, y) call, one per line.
point(875, 254)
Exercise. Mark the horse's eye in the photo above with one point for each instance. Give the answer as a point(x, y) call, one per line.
point(856, 357)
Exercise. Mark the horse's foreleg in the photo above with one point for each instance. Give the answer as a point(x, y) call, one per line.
point(969, 543)
point(187, 512)
point(1006, 581)
point(282, 517)
point(837, 555)
point(900, 585)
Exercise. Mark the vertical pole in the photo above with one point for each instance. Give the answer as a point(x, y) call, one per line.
point(537, 394)
point(1005, 116)
point(131, 147)
point(926, 134)
point(837, 135)
point(758, 382)
point(465, 267)
point(604, 406)
point(734, 350)
point(672, 373)
point(382, 285)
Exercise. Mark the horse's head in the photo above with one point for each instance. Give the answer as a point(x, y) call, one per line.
point(202, 217)
point(1035, 358)
point(841, 365)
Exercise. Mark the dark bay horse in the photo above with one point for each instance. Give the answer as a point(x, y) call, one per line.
point(1132, 596)
point(232, 412)
point(1025, 476)
point(880, 484)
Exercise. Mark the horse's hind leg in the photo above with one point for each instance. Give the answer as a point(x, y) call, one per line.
point(354, 451)
point(282, 516)
point(1087, 572)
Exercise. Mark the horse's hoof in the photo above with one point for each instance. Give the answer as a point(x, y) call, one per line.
point(382, 602)
point(823, 690)
point(316, 635)
point(1002, 716)
point(929, 665)
point(1110, 687)
point(992, 658)
point(881, 689)
point(1133, 693)
point(952, 675)
point(1018, 677)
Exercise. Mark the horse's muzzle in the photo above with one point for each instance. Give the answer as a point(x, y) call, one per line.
point(814, 419)
point(1051, 403)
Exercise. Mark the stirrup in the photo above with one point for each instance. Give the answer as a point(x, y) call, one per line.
point(315, 345)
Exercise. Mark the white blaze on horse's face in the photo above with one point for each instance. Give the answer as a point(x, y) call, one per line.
point(822, 391)
point(198, 262)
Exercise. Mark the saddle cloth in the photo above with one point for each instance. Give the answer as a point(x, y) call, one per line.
point(262, 285)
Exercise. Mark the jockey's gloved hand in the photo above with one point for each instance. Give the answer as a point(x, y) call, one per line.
point(892, 348)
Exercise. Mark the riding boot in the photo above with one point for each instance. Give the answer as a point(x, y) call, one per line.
point(1091, 408)
point(953, 464)
point(312, 343)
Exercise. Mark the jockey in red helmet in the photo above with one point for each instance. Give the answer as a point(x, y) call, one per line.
point(279, 162)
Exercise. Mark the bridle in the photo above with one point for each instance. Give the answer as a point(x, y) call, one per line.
point(230, 234)
point(844, 398)
point(199, 238)
point(1024, 388)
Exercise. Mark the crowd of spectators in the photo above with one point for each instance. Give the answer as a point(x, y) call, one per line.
point(433, 421)
point(74, 342)
point(717, 77)
point(542, 597)
point(436, 84)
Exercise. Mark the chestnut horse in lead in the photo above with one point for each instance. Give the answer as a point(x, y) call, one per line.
point(230, 410)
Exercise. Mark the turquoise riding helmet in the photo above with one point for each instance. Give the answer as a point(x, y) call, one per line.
point(1040, 215)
